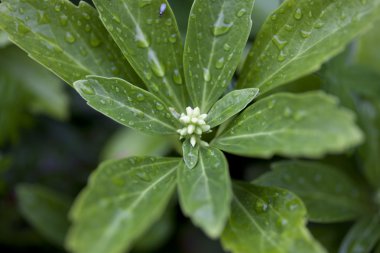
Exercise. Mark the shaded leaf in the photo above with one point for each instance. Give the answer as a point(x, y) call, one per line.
point(229, 105)
point(308, 125)
point(46, 211)
point(205, 191)
point(363, 236)
point(121, 201)
point(329, 195)
point(217, 33)
point(190, 153)
point(67, 39)
point(127, 142)
point(299, 36)
point(127, 104)
point(265, 220)
point(151, 43)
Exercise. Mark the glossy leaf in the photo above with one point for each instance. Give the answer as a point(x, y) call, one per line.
point(308, 125)
point(190, 153)
point(152, 44)
point(205, 191)
point(363, 236)
point(127, 104)
point(329, 195)
point(229, 105)
point(127, 142)
point(45, 210)
point(216, 36)
point(342, 81)
point(265, 220)
point(299, 36)
point(123, 198)
point(368, 52)
point(67, 39)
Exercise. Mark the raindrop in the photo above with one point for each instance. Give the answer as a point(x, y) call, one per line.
point(177, 78)
point(116, 19)
point(220, 63)
point(143, 3)
point(140, 97)
point(173, 38)
point(241, 12)
point(86, 88)
point(159, 106)
point(87, 28)
point(206, 74)
point(157, 68)
point(288, 27)
point(63, 20)
point(94, 40)
point(221, 27)
point(279, 42)
point(261, 206)
point(298, 14)
point(140, 38)
point(318, 25)
point(226, 47)
point(83, 51)
point(69, 37)
point(273, 17)
point(144, 176)
point(57, 7)
point(305, 34)
point(86, 15)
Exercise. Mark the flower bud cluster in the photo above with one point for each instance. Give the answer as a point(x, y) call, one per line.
point(194, 123)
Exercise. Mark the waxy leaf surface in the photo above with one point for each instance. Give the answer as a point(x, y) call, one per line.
point(127, 104)
point(67, 39)
point(229, 105)
point(266, 220)
point(216, 37)
point(302, 34)
point(121, 201)
point(308, 125)
point(152, 44)
point(329, 195)
point(205, 191)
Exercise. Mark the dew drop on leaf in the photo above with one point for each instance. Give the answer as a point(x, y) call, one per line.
point(226, 47)
point(94, 40)
point(220, 63)
point(241, 12)
point(298, 14)
point(221, 27)
point(206, 75)
point(279, 42)
point(63, 20)
point(140, 97)
point(69, 37)
point(177, 78)
point(305, 34)
point(261, 206)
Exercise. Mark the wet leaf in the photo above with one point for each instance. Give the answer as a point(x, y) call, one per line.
point(216, 37)
point(127, 104)
point(294, 125)
point(152, 44)
point(300, 35)
point(265, 220)
point(205, 191)
point(122, 200)
point(190, 153)
point(69, 40)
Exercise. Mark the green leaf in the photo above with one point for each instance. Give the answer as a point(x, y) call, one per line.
point(127, 104)
point(121, 201)
point(363, 236)
point(4, 41)
point(217, 33)
point(329, 195)
point(368, 52)
point(378, 248)
point(190, 153)
point(205, 191)
point(299, 36)
point(67, 39)
point(308, 125)
point(342, 81)
point(266, 220)
point(151, 43)
point(46, 94)
point(46, 211)
point(229, 105)
point(127, 142)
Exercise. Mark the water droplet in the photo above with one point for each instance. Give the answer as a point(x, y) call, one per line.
point(318, 25)
point(102, 101)
point(206, 75)
point(220, 63)
point(281, 56)
point(63, 20)
point(261, 206)
point(273, 17)
point(305, 34)
point(298, 14)
point(69, 37)
point(169, 22)
point(87, 28)
point(173, 38)
point(279, 42)
point(140, 38)
point(241, 12)
point(140, 97)
point(155, 65)
point(159, 106)
point(86, 88)
point(116, 19)
point(144, 176)
point(83, 51)
point(94, 40)
point(143, 3)
point(177, 78)
point(226, 47)
point(57, 7)
point(221, 27)
point(86, 15)
point(287, 112)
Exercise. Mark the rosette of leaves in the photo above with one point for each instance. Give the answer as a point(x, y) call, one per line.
point(127, 60)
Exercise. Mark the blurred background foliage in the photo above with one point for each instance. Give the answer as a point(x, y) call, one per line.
point(50, 141)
